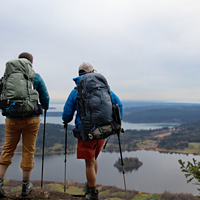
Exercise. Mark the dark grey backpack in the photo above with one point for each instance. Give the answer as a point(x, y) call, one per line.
point(96, 108)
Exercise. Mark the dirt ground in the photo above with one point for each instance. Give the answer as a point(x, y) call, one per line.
point(40, 194)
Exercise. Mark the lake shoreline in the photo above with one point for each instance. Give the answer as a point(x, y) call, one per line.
point(124, 150)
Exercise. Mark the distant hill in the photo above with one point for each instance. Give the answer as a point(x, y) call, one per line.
point(168, 113)
point(135, 103)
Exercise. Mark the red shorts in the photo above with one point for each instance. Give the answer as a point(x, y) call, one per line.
point(90, 149)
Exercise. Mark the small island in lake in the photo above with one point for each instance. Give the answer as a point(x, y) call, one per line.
point(129, 164)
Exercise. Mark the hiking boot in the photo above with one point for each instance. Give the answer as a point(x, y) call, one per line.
point(2, 192)
point(86, 189)
point(92, 195)
point(27, 187)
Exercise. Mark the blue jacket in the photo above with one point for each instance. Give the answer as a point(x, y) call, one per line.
point(40, 86)
point(71, 105)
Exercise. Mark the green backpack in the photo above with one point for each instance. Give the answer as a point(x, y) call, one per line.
point(17, 96)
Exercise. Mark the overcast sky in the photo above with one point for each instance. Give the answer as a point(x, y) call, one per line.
point(150, 48)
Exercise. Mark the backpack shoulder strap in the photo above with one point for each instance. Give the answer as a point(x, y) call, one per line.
point(80, 101)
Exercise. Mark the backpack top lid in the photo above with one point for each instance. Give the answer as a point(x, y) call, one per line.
point(20, 65)
point(91, 81)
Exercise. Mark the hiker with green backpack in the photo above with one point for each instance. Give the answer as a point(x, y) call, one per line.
point(94, 103)
point(20, 90)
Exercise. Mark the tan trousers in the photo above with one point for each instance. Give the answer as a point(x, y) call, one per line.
point(14, 128)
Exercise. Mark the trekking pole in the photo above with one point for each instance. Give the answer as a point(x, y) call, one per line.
point(122, 163)
point(65, 126)
point(45, 113)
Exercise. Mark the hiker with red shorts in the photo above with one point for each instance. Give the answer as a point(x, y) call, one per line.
point(87, 150)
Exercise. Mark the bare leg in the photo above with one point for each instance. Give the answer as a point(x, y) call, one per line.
point(3, 169)
point(96, 166)
point(27, 186)
point(91, 169)
point(26, 175)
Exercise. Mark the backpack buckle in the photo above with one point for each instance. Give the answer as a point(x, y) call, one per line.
point(90, 136)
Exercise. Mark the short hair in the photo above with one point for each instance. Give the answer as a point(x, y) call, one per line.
point(81, 72)
point(26, 55)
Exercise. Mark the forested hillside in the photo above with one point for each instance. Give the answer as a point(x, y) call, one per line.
point(54, 138)
point(182, 136)
point(166, 139)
